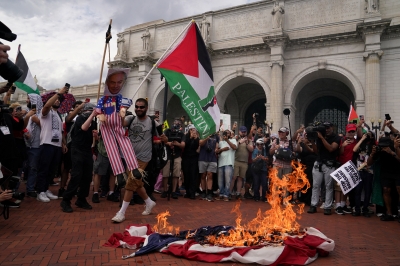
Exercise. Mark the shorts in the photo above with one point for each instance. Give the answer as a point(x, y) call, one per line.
point(134, 184)
point(177, 168)
point(102, 165)
point(210, 167)
point(337, 187)
point(283, 171)
point(390, 180)
point(240, 169)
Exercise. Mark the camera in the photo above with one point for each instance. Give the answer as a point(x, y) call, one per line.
point(388, 118)
point(9, 71)
point(312, 131)
point(11, 183)
point(175, 133)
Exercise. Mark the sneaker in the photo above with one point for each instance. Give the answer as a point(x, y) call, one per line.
point(387, 217)
point(118, 218)
point(220, 198)
point(157, 191)
point(148, 208)
point(312, 209)
point(209, 198)
point(322, 205)
point(203, 196)
point(112, 197)
point(174, 196)
point(31, 194)
point(61, 193)
point(53, 183)
point(226, 199)
point(247, 195)
point(347, 209)
point(339, 210)
point(66, 206)
point(82, 203)
point(51, 195)
point(42, 197)
point(367, 214)
point(163, 195)
point(327, 211)
point(356, 213)
point(103, 194)
point(95, 198)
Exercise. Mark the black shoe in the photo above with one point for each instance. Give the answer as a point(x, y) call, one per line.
point(61, 193)
point(366, 214)
point(327, 211)
point(174, 196)
point(66, 206)
point(186, 196)
point(83, 204)
point(95, 198)
point(163, 195)
point(32, 194)
point(387, 217)
point(347, 209)
point(10, 204)
point(312, 209)
point(247, 195)
point(339, 210)
point(356, 213)
point(112, 197)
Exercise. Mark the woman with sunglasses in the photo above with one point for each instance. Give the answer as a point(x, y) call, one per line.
point(259, 167)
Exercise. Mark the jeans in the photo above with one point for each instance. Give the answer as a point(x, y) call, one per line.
point(318, 177)
point(224, 179)
point(260, 179)
point(366, 184)
point(49, 158)
point(33, 161)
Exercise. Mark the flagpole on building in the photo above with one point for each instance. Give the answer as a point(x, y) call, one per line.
point(108, 38)
point(161, 57)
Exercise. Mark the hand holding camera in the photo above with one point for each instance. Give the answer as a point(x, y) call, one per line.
point(6, 195)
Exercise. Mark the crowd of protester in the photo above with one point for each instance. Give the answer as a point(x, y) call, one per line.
point(231, 164)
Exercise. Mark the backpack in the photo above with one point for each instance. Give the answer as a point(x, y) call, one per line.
point(284, 154)
point(159, 153)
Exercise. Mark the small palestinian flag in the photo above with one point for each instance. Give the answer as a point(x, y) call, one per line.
point(187, 69)
point(26, 81)
point(353, 117)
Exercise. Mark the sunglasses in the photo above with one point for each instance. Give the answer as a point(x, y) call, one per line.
point(18, 109)
point(352, 131)
point(258, 144)
point(140, 107)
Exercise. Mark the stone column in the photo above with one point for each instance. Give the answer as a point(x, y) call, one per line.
point(277, 42)
point(144, 68)
point(372, 84)
point(276, 101)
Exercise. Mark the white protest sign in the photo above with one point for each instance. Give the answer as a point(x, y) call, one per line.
point(347, 176)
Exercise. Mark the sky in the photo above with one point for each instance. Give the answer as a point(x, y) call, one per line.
point(63, 41)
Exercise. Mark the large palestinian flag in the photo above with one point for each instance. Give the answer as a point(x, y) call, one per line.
point(187, 69)
point(26, 81)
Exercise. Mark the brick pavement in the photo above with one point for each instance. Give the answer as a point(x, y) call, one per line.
point(41, 234)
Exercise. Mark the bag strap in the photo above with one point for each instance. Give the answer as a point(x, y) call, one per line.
point(130, 123)
point(153, 127)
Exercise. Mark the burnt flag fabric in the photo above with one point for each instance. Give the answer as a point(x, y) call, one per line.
point(187, 69)
point(295, 250)
point(26, 81)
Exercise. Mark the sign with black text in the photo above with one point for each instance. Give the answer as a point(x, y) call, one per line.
point(347, 176)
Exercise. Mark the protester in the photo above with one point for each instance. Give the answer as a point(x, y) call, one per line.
point(82, 161)
point(226, 156)
point(190, 158)
point(244, 147)
point(52, 145)
point(259, 168)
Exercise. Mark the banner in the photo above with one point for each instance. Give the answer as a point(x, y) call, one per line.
point(347, 176)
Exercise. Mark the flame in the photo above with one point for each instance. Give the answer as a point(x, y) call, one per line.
point(269, 227)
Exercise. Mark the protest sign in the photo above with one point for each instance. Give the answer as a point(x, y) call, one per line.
point(347, 176)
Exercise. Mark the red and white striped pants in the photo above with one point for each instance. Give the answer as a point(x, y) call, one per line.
point(113, 135)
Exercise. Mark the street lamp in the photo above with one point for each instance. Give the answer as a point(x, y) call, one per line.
point(377, 127)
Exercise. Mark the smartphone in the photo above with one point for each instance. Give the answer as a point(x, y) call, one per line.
point(157, 113)
point(361, 116)
point(33, 106)
point(387, 117)
point(13, 88)
point(87, 100)
point(67, 85)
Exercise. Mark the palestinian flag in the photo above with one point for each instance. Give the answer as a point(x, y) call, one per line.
point(353, 115)
point(187, 69)
point(26, 81)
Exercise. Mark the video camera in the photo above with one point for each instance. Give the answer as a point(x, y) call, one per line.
point(312, 131)
point(9, 71)
point(10, 182)
point(175, 133)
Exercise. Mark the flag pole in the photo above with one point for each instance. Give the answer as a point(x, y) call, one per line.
point(108, 37)
point(161, 57)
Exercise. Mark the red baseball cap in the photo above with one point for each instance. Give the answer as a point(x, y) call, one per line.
point(351, 127)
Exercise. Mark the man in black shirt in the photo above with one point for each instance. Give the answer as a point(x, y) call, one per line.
point(82, 161)
point(326, 149)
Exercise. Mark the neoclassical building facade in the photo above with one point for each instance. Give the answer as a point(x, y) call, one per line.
point(314, 57)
